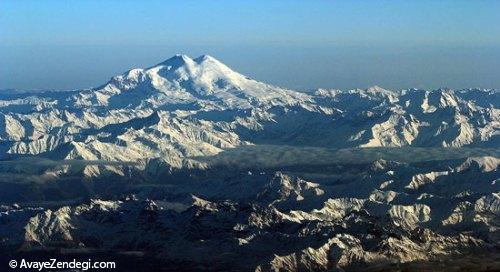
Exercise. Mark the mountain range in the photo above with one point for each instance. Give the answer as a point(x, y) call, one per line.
point(194, 166)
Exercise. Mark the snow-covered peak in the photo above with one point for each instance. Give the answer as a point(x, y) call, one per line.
point(181, 59)
point(177, 61)
point(195, 67)
point(182, 79)
point(203, 58)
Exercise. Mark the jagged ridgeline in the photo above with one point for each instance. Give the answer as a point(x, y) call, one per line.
point(184, 108)
point(194, 166)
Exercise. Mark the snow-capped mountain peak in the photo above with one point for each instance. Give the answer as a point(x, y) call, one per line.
point(181, 79)
point(204, 66)
point(177, 60)
point(186, 107)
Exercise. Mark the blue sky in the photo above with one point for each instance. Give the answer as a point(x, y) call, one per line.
point(295, 44)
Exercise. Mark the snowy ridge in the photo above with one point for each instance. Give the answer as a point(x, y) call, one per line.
point(203, 107)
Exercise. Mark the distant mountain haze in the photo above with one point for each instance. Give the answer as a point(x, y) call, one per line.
point(302, 68)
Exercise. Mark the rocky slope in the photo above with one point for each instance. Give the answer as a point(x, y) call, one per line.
point(280, 222)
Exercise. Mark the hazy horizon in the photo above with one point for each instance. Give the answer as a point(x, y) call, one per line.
point(325, 44)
